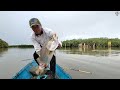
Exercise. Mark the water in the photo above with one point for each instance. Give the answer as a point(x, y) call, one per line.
point(92, 64)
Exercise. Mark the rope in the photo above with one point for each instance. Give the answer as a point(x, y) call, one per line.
point(66, 68)
point(27, 59)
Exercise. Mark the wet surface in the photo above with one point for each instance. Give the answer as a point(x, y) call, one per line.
point(80, 64)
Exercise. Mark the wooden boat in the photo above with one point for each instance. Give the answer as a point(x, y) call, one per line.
point(24, 73)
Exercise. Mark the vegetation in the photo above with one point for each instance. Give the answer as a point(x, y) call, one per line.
point(3, 44)
point(99, 42)
point(22, 46)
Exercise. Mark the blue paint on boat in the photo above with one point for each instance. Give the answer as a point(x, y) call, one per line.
point(25, 74)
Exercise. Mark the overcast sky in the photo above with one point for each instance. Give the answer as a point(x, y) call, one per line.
point(14, 25)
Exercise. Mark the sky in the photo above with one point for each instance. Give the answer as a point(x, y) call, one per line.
point(15, 29)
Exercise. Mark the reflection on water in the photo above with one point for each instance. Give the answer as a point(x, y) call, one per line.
point(2, 51)
point(94, 52)
point(101, 66)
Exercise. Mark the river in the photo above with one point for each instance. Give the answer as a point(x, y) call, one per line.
point(79, 63)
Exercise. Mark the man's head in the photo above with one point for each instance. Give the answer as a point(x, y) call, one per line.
point(35, 25)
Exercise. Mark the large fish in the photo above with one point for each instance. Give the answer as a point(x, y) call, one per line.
point(47, 52)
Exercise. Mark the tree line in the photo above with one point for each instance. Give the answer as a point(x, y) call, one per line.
point(22, 46)
point(99, 42)
point(3, 44)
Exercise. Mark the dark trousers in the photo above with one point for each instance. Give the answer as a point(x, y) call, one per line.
point(52, 63)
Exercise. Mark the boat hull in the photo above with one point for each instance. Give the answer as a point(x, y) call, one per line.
point(24, 73)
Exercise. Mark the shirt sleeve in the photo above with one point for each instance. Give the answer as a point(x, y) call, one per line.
point(36, 45)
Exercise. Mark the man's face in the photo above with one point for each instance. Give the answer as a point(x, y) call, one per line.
point(37, 29)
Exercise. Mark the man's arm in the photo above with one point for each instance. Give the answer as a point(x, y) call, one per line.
point(36, 45)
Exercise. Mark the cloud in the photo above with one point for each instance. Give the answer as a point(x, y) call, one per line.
point(14, 25)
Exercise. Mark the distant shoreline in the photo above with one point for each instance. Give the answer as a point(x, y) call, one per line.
point(21, 46)
point(87, 43)
point(92, 43)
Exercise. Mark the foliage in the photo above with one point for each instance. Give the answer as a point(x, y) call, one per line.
point(99, 42)
point(3, 44)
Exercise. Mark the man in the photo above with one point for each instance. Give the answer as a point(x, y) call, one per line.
point(40, 38)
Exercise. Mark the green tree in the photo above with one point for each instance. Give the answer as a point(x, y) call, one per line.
point(3, 44)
